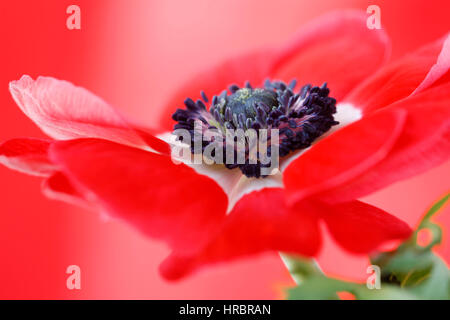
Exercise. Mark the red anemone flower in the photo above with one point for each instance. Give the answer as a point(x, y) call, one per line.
point(374, 126)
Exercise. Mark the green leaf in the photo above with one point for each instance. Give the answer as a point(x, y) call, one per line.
point(417, 269)
point(437, 285)
point(436, 207)
point(409, 272)
point(324, 288)
point(299, 267)
point(318, 288)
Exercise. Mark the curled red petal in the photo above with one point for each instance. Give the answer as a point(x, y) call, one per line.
point(423, 144)
point(261, 221)
point(58, 187)
point(27, 155)
point(361, 228)
point(64, 111)
point(439, 69)
point(411, 74)
point(343, 155)
point(147, 190)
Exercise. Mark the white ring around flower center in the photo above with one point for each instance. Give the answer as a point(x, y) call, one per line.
point(236, 185)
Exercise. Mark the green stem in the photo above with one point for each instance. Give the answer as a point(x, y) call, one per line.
point(300, 268)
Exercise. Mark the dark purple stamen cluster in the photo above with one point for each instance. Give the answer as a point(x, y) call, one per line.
point(300, 117)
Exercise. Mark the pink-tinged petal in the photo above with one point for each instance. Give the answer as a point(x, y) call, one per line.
point(337, 48)
point(27, 155)
point(411, 74)
point(362, 228)
point(149, 136)
point(163, 200)
point(64, 111)
point(424, 143)
point(343, 155)
point(260, 222)
point(439, 69)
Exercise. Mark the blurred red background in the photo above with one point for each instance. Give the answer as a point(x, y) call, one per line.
point(133, 54)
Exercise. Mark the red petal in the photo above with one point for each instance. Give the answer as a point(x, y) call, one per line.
point(59, 187)
point(253, 67)
point(412, 74)
point(343, 155)
point(338, 48)
point(439, 69)
point(163, 200)
point(27, 155)
point(259, 222)
point(423, 144)
point(362, 228)
point(64, 111)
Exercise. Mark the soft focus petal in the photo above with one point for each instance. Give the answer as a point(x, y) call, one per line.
point(362, 228)
point(165, 201)
point(259, 222)
point(411, 74)
point(27, 155)
point(64, 111)
point(337, 48)
point(343, 155)
point(253, 67)
point(58, 187)
point(439, 69)
point(423, 143)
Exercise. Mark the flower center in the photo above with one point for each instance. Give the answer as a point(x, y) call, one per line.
point(297, 118)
